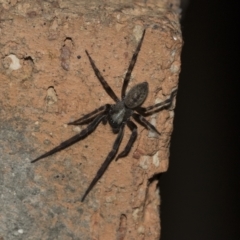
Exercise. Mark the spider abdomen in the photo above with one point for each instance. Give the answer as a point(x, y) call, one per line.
point(136, 95)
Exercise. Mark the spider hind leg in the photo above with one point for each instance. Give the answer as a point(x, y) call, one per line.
point(132, 139)
point(143, 121)
point(157, 107)
point(106, 163)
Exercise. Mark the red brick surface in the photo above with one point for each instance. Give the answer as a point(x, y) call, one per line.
point(46, 81)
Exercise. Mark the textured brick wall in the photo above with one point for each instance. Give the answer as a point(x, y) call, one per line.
point(46, 81)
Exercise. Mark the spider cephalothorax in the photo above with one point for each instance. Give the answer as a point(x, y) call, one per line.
point(118, 115)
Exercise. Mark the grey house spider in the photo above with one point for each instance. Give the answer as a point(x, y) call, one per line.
point(117, 115)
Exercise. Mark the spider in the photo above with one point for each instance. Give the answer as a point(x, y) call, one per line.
point(117, 115)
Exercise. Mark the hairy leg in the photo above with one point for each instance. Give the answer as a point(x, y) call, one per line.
point(106, 163)
point(132, 139)
point(157, 107)
point(105, 85)
point(145, 122)
point(90, 116)
point(84, 133)
point(131, 66)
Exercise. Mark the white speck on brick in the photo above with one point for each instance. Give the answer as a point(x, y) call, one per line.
point(144, 163)
point(135, 214)
point(153, 121)
point(77, 129)
point(156, 159)
point(141, 230)
point(20, 231)
point(15, 65)
point(171, 114)
point(175, 38)
point(174, 68)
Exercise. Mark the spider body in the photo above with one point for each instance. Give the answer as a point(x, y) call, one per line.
point(123, 110)
point(117, 115)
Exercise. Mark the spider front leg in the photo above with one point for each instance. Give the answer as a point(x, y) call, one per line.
point(84, 133)
point(105, 85)
point(157, 107)
point(106, 163)
point(133, 128)
point(90, 116)
point(131, 66)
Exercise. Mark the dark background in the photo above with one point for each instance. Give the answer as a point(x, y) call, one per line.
point(200, 192)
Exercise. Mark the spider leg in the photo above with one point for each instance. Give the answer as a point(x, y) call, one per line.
point(157, 107)
point(145, 122)
point(90, 116)
point(131, 66)
point(105, 85)
point(106, 163)
point(133, 128)
point(84, 133)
